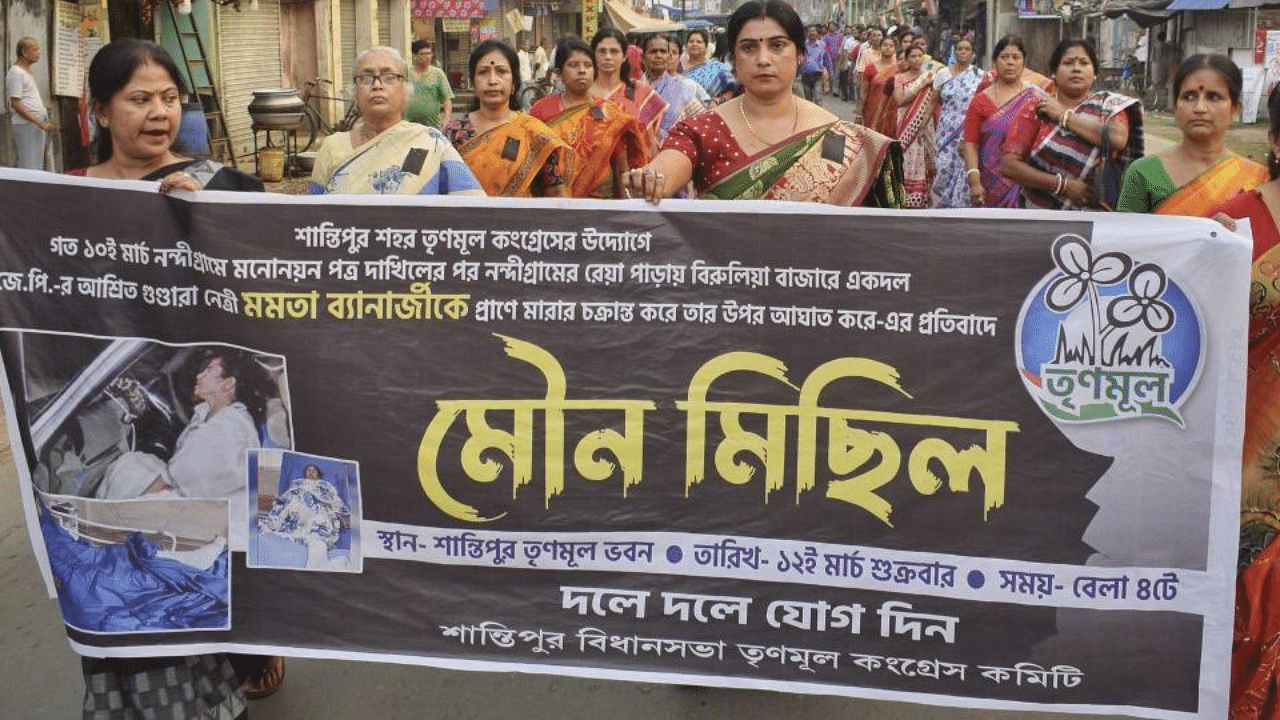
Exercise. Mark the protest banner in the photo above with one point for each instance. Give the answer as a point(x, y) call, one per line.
point(989, 460)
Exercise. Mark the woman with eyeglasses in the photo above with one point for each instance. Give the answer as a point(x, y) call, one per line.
point(512, 153)
point(384, 154)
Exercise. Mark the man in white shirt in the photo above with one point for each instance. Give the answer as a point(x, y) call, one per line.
point(29, 118)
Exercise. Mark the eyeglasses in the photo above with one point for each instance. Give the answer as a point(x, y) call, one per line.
point(384, 78)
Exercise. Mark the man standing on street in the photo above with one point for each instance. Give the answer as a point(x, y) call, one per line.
point(30, 119)
point(432, 101)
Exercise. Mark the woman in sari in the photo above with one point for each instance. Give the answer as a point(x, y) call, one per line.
point(876, 90)
point(913, 96)
point(384, 154)
point(1255, 652)
point(135, 90)
point(1200, 173)
point(615, 84)
point(606, 141)
point(992, 112)
point(1055, 147)
point(512, 154)
point(953, 88)
point(768, 143)
point(714, 76)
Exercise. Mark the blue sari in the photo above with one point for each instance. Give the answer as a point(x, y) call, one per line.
point(951, 187)
point(714, 76)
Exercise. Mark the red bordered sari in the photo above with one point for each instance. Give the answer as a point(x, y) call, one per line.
point(916, 131)
point(644, 104)
point(598, 132)
point(838, 164)
point(877, 106)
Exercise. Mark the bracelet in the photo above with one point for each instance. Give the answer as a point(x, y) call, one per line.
point(971, 171)
point(1062, 121)
point(1061, 182)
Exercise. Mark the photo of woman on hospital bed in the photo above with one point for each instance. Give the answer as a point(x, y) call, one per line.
point(305, 515)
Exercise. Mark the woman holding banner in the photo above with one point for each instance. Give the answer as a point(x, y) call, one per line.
point(606, 141)
point(1255, 653)
point(768, 143)
point(1060, 142)
point(384, 154)
point(135, 89)
point(512, 154)
point(1200, 173)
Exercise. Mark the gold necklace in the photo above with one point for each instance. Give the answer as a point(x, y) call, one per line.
point(742, 109)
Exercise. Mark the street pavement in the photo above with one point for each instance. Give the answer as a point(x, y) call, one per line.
point(40, 675)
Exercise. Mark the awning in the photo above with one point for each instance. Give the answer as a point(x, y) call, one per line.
point(1144, 12)
point(1198, 4)
point(628, 20)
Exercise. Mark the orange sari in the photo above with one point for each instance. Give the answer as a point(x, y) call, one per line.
point(598, 132)
point(507, 159)
point(1213, 187)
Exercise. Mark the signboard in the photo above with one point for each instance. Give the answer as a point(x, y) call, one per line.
point(989, 460)
point(80, 31)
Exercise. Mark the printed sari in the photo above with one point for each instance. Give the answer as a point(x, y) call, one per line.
point(838, 164)
point(684, 100)
point(877, 106)
point(999, 191)
point(1054, 149)
point(405, 159)
point(644, 104)
point(598, 132)
point(714, 76)
point(1255, 652)
point(519, 158)
point(916, 134)
point(951, 188)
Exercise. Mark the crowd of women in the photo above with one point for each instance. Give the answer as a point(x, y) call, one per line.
point(946, 136)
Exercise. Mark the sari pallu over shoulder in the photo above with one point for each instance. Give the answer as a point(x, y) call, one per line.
point(649, 105)
point(867, 170)
point(950, 189)
point(1000, 191)
point(597, 131)
point(1213, 186)
point(405, 159)
point(507, 159)
point(1070, 155)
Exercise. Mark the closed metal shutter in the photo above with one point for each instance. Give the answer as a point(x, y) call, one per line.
point(348, 12)
point(384, 23)
point(249, 47)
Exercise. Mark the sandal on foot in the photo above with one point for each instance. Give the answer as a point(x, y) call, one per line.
point(269, 681)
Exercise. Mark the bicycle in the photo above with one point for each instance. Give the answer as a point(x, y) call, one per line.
point(313, 122)
point(535, 91)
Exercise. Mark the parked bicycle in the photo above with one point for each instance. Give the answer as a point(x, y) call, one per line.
point(535, 91)
point(313, 122)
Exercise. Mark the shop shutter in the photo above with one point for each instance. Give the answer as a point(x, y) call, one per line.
point(249, 50)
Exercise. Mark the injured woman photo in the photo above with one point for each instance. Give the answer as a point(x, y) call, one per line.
point(137, 566)
point(208, 457)
point(312, 513)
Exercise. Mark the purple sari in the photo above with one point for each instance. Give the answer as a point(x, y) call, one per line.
point(999, 191)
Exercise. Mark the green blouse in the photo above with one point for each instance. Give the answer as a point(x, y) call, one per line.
point(1146, 184)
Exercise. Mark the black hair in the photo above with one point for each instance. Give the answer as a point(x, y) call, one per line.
point(319, 472)
point(705, 37)
point(1055, 58)
point(252, 382)
point(616, 34)
point(1006, 41)
point(570, 45)
point(906, 52)
point(420, 45)
point(776, 10)
point(112, 68)
point(1220, 64)
point(513, 62)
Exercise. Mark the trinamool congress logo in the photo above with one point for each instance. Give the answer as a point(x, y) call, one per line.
point(1108, 338)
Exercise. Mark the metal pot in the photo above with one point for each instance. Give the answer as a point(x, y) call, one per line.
point(276, 108)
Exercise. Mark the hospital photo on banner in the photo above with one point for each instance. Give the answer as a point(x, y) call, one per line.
point(304, 512)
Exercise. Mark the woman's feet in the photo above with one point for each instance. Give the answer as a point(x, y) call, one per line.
point(269, 681)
